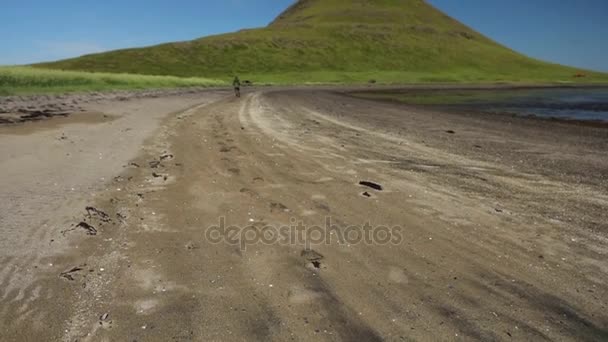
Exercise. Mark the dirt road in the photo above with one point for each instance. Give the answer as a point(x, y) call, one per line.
point(465, 227)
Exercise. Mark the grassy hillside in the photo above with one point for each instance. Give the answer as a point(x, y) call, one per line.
point(20, 80)
point(393, 41)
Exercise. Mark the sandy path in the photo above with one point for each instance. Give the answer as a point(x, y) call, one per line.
point(51, 171)
point(484, 249)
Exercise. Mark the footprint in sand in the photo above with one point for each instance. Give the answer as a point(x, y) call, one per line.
point(146, 306)
point(299, 295)
point(278, 207)
point(397, 275)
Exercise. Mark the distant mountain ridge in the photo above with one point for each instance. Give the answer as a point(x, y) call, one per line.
point(337, 40)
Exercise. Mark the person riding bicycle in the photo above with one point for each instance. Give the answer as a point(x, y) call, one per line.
point(237, 86)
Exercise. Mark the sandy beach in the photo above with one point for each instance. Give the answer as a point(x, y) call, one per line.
point(497, 225)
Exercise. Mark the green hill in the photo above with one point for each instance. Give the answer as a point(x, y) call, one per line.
point(339, 41)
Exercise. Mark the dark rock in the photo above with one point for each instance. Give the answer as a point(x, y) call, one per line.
point(92, 211)
point(90, 229)
point(371, 185)
point(154, 164)
point(69, 274)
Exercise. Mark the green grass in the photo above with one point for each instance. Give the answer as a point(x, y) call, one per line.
point(28, 80)
point(341, 41)
point(406, 77)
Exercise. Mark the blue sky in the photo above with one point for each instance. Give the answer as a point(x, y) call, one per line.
point(573, 32)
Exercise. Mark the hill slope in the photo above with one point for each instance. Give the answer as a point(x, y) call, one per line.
point(337, 40)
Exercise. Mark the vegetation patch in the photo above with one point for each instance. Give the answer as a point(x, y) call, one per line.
point(28, 80)
point(343, 42)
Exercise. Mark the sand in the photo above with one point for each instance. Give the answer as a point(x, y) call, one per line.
point(497, 225)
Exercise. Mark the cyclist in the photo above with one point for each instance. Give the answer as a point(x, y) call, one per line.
point(237, 86)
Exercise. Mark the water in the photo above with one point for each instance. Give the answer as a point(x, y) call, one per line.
point(590, 104)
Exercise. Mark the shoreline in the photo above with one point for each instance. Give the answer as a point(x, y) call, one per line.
point(18, 109)
point(325, 86)
point(490, 108)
